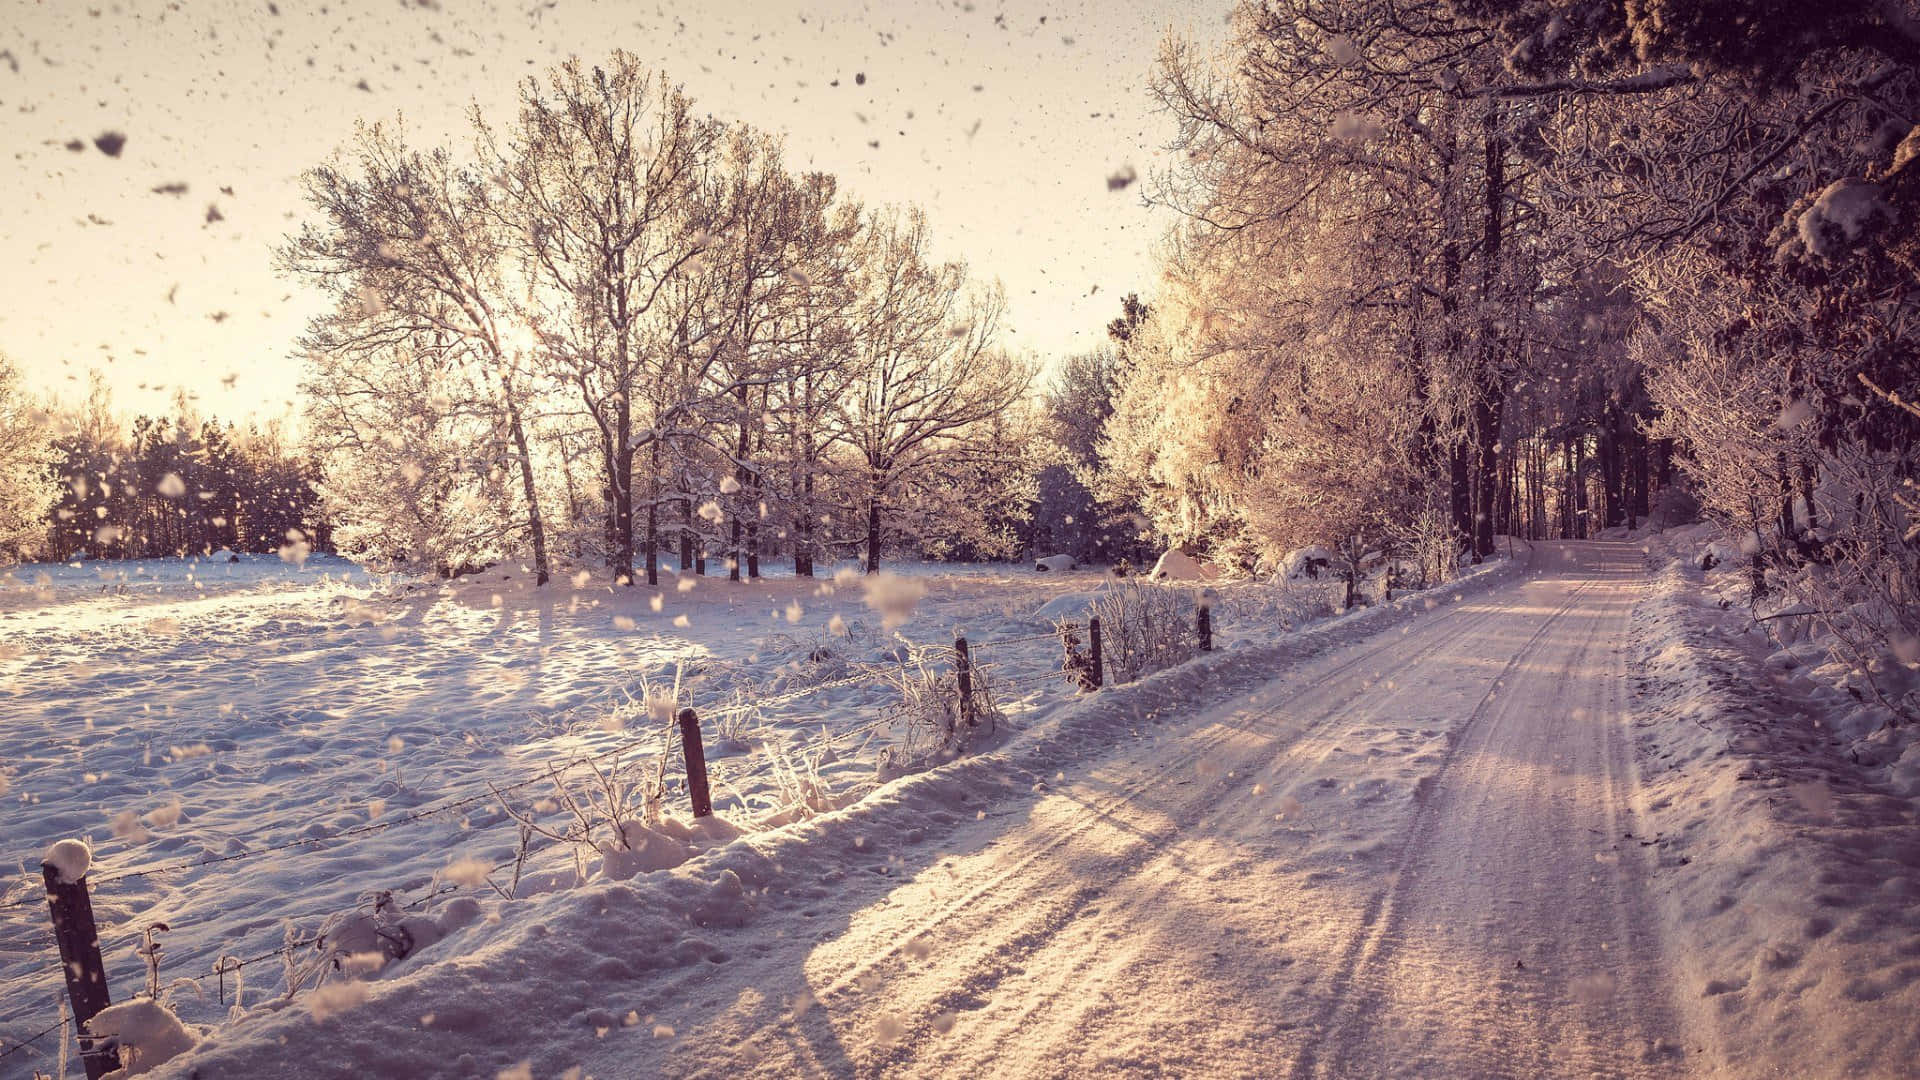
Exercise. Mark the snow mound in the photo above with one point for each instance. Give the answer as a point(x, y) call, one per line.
point(71, 858)
point(148, 1033)
point(1306, 564)
point(1177, 565)
point(1071, 607)
point(1842, 214)
point(641, 851)
point(1717, 554)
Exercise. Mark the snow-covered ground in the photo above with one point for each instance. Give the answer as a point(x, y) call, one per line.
point(1205, 838)
point(252, 744)
point(1551, 819)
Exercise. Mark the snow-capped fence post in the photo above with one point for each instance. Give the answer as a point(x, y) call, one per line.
point(1093, 651)
point(696, 756)
point(963, 680)
point(1203, 622)
point(65, 869)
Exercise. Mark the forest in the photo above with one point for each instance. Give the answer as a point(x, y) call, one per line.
point(1542, 268)
point(81, 481)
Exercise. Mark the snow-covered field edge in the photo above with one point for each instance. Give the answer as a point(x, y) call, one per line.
point(520, 981)
point(1788, 869)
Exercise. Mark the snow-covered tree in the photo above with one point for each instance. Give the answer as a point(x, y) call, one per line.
point(417, 473)
point(27, 485)
point(412, 249)
point(603, 173)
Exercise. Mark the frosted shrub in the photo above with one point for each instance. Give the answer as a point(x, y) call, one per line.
point(931, 722)
point(607, 797)
point(1146, 628)
point(802, 791)
point(1427, 546)
point(735, 722)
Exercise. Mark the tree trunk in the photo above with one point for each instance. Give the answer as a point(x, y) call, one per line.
point(1489, 405)
point(740, 477)
point(535, 525)
point(1642, 506)
point(1504, 506)
point(686, 534)
point(1789, 528)
point(1608, 451)
point(873, 533)
point(1491, 387)
point(1459, 487)
point(653, 512)
point(611, 526)
point(623, 495)
point(1579, 481)
point(803, 524)
point(1806, 496)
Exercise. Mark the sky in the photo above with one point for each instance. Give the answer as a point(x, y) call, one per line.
point(155, 264)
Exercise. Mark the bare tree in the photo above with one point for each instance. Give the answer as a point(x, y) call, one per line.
point(601, 175)
point(929, 380)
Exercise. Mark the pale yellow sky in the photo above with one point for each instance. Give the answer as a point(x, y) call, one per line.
point(1005, 127)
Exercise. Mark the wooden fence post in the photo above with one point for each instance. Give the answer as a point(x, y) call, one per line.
point(963, 680)
point(79, 940)
point(1204, 623)
point(1093, 650)
point(696, 756)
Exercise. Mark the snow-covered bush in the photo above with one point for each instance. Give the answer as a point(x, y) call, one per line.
point(1674, 506)
point(365, 940)
point(1307, 563)
point(1425, 544)
point(1841, 216)
point(1177, 565)
point(591, 804)
point(1276, 606)
point(800, 790)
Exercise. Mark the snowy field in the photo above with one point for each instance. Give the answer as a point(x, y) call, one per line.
point(618, 976)
point(251, 747)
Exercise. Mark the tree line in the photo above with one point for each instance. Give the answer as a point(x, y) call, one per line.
point(82, 481)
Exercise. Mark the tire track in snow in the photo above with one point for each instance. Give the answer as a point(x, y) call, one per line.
point(1518, 1016)
point(1091, 966)
point(1367, 945)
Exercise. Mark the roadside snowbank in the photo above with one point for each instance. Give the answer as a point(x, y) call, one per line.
point(1789, 869)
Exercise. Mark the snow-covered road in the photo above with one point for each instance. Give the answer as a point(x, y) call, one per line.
point(1415, 856)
